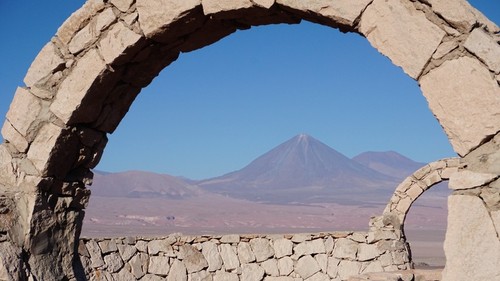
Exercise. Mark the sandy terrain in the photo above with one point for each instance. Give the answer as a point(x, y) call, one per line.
point(215, 214)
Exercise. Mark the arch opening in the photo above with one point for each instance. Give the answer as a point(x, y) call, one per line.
point(80, 87)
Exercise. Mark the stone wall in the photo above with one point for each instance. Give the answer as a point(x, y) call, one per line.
point(314, 257)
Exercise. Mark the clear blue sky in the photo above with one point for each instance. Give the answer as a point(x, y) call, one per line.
point(216, 109)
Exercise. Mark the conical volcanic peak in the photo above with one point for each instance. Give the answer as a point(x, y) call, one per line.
point(298, 165)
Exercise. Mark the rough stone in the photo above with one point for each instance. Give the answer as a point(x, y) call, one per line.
point(319, 276)
point(461, 14)
point(83, 39)
point(444, 49)
point(113, 262)
point(282, 247)
point(200, 276)
point(449, 99)
point(465, 179)
point(154, 15)
point(401, 33)
point(233, 238)
point(76, 86)
point(261, 248)
point(10, 134)
point(217, 6)
point(138, 264)
point(316, 246)
point(307, 266)
point(158, 245)
point(285, 265)
point(159, 265)
point(118, 44)
point(229, 257)
point(95, 254)
point(485, 47)
point(126, 251)
point(343, 12)
point(270, 267)
point(367, 252)
point(225, 276)
point(23, 111)
point(193, 259)
point(322, 260)
point(74, 23)
point(122, 5)
point(345, 249)
point(467, 220)
point(245, 253)
point(45, 63)
point(252, 272)
point(177, 272)
point(374, 266)
point(347, 269)
point(211, 254)
point(108, 246)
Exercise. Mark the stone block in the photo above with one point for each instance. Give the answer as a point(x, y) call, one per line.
point(262, 249)
point(229, 257)
point(485, 47)
point(95, 254)
point(285, 265)
point(225, 276)
point(108, 246)
point(24, 110)
point(10, 134)
point(252, 272)
point(402, 33)
point(315, 246)
point(431, 179)
point(211, 254)
point(465, 179)
point(218, 6)
point(119, 44)
point(467, 105)
point(83, 39)
point(200, 276)
point(138, 265)
point(319, 276)
point(461, 14)
point(113, 262)
point(44, 148)
point(155, 16)
point(245, 253)
point(444, 49)
point(414, 192)
point(68, 103)
point(126, 251)
point(306, 266)
point(282, 247)
point(159, 265)
point(231, 238)
point(158, 245)
point(345, 249)
point(76, 21)
point(348, 269)
point(193, 259)
point(122, 5)
point(471, 245)
point(368, 252)
point(270, 267)
point(342, 12)
point(44, 64)
point(177, 272)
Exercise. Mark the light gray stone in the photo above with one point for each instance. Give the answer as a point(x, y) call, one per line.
point(345, 249)
point(200, 276)
point(113, 262)
point(396, 29)
point(45, 63)
point(142, 246)
point(225, 276)
point(368, 252)
point(282, 247)
point(159, 265)
point(470, 234)
point(75, 87)
point(108, 246)
point(217, 6)
point(285, 266)
point(261, 248)
point(322, 260)
point(83, 39)
point(373, 266)
point(211, 254)
point(139, 265)
point(245, 253)
point(95, 254)
point(329, 242)
point(465, 179)
point(75, 23)
point(158, 245)
point(333, 267)
point(444, 49)
point(252, 272)
point(348, 269)
point(150, 277)
point(177, 272)
point(281, 278)
point(319, 276)
point(14, 137)
point(229, 257)
point(306, 266)
point(193, 259)
point(450, 99)
point(233, 238)
point(270, 267)
point(126, 251)
point(301, 237)
point(315, 246)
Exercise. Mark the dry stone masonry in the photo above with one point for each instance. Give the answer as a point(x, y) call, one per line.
point(84, 79)
point(322, 256)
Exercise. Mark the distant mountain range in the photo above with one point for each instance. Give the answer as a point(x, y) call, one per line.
point(300, 170)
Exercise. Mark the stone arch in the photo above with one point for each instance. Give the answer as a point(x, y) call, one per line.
point(408, 191)
point(83, 81)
